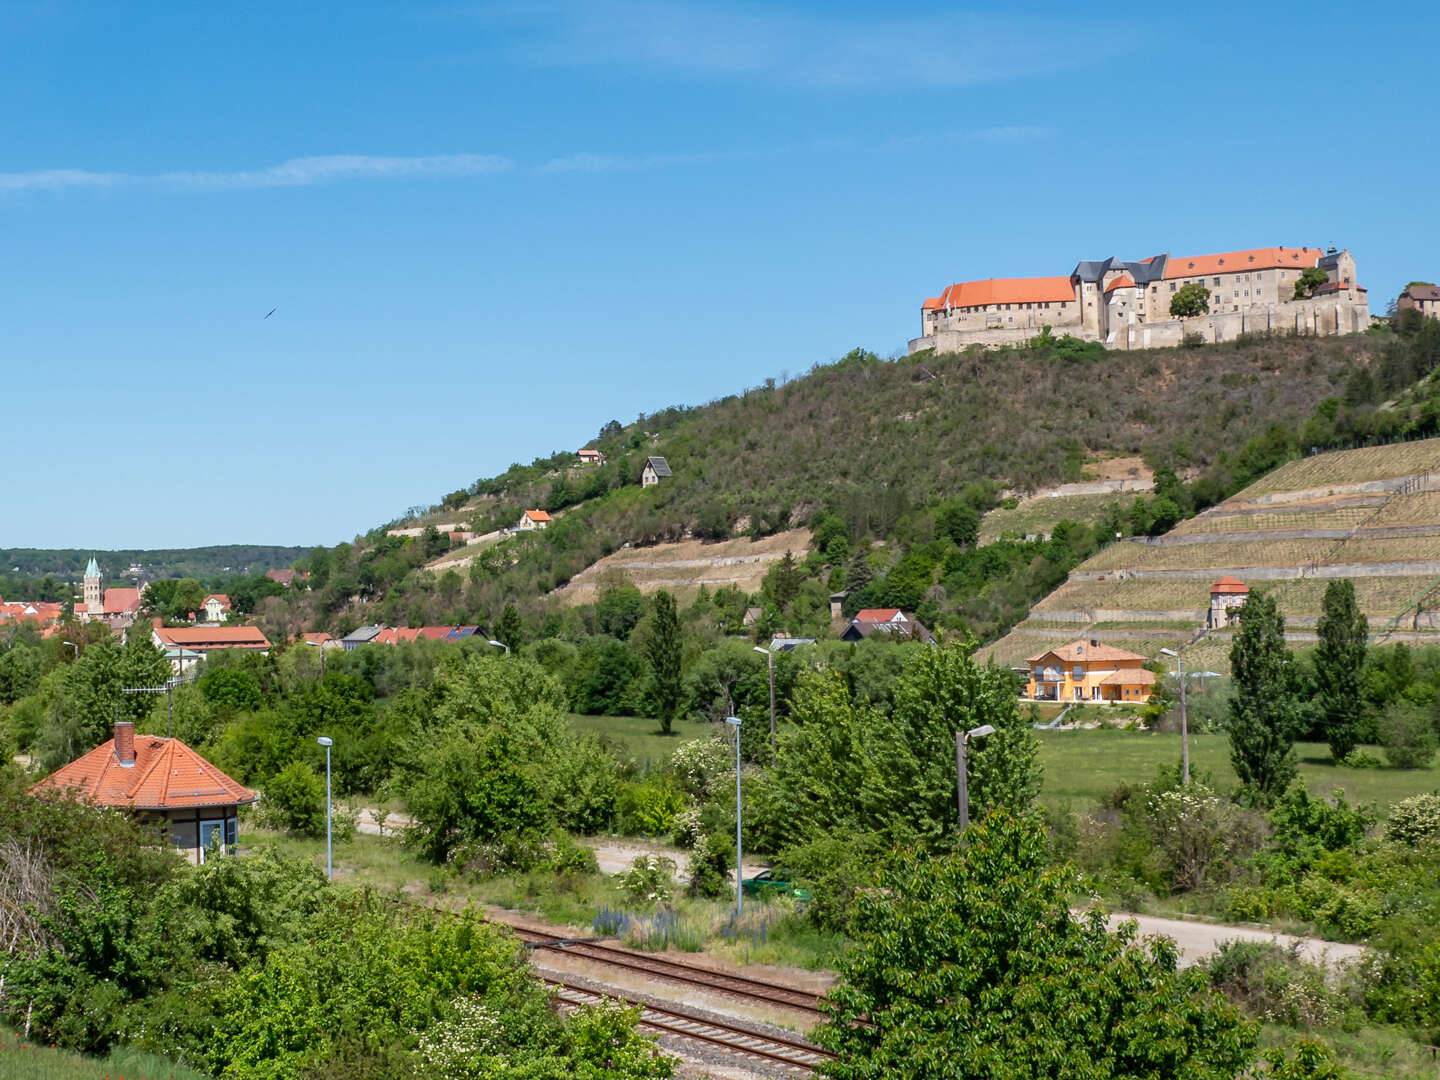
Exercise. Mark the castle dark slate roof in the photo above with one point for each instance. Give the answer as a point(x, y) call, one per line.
point(1142, 272)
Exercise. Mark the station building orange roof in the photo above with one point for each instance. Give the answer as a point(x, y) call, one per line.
point(164, 775)
point(1235, 262)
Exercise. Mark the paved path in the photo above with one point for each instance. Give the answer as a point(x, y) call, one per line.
point(1198, 940)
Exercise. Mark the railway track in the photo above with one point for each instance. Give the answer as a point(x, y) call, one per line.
point(791, 1055)
point(740, 986)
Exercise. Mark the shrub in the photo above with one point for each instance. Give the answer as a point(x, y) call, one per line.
point(649, 806)
point(650, 881)
point(570, 857)
point(1198, 837)
point(710, 865)
point(698, 763)
point(1272, 983)
point(294, 800)
point(1415, 821)
point(1408, 737)
point(1361, 759)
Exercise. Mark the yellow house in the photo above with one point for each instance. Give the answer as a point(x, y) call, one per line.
point(1088, 671)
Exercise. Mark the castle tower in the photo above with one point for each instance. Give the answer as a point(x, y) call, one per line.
point(94, 601)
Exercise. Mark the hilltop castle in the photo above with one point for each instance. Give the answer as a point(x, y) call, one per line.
point(1126, 305)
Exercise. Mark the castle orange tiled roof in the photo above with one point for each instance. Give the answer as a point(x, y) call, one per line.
point(1234, 262)
point(166, 775)
point(1122, 282)
point(1006, 291)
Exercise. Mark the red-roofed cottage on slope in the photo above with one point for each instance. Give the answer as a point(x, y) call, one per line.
point(161, 781)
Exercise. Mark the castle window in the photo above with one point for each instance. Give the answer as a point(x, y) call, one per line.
point(1217, 281)
point(1237, 294)
point(1172, 286)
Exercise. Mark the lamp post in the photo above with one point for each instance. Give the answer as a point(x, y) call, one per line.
point(500, 645)
point(1184, 728)
point(770, 663)
point(327, 742)
point(73, 646)
point(734, 721)
point(962, 780)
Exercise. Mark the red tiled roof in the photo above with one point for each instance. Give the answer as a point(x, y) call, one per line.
point(203, 638)
point(537, 515)
point(1005, 291)
point(284, 577)
point(224, 600)
point(432, 633)
point(1422, 292)
point(1121, 282)
point(1082, 650)
point(1336, 286)
point(591, 453)
point(319, 637)
point(878, 614)
point(122, 601)
point(30, 611)
point(1234, 262)
point(166, 775)
point(1229, 585)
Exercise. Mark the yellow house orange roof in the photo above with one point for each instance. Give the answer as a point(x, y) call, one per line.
point(1006, 291)
point(1128, 677)
point(1082, 650)
point(1232, 262)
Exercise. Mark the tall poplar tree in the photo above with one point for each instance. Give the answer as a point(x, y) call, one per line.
point(1339, 660)
point(664, 652)
point(1264, 711)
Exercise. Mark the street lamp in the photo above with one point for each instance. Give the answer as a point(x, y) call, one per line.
point(734, 721)
point(73, 646)
point(770, 662)
point(500, 645)
point(1184, 729)
point(327, 742)
point(962, 781)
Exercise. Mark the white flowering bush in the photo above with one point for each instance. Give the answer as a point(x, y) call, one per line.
point(1197, 835)
point(699, 763)
point(689, 829)
point(650, 881)
point(469, 1043)
point(1415, 821)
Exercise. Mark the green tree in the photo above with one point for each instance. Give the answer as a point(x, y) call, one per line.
point(1190, 300)
point(782, 581)
point(1264, 712)
point(296, 796)
point(958, 521)
point(1311, 278)
point(1339, 664)
point(508, 630)
point(972, 965)
point(911, 784)
point(664, 651)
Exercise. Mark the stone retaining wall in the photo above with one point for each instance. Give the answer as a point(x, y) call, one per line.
point(1419, 568)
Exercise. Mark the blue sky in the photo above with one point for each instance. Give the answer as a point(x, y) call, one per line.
point(487, 229)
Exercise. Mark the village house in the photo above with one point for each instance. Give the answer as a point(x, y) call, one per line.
point(591, 457)
point(1088, 671)
point(890, 621)
point(1126, 305)
point(185, 646)
point(287, 577)
point(162, 782)
point(1422, 298)
point(655, 470)
point(1227, 597)
point(531, 520)
point(116, 607)
point(46, 616)
point(215, 607)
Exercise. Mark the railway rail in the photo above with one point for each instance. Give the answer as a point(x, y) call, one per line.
point(672, 970)
point(792, 1055)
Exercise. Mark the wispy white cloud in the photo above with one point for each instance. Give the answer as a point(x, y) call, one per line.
point(821, 49)
point(605, 163)
point(297, 172)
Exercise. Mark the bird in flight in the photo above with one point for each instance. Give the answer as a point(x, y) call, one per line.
point(269, 313)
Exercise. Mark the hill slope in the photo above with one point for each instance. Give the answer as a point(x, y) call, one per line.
point(1370, 514)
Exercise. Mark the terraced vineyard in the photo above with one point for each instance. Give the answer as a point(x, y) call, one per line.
point(1039, 514)
point(1128, 592)
point(1349, 467)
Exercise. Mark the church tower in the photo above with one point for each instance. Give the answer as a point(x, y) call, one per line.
point(94, 601)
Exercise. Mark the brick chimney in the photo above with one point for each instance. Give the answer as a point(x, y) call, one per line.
point(125, 742)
